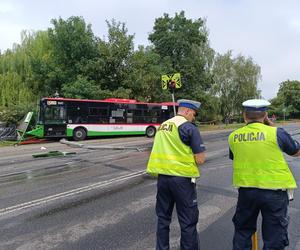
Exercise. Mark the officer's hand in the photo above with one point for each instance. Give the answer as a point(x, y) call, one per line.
point(200, 158)
point(268, 122)
point(297, 144)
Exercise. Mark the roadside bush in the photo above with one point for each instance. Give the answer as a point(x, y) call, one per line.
point(13, 114)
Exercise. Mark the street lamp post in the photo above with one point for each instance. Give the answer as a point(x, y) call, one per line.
point(284, 110)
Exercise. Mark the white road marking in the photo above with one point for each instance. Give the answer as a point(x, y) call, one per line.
point(297, 245)
point(72, 192)
point(25, 170)
point(217, 167)
point(209, 212)
point(77, 231)
point(213, 209)
point(211, 154)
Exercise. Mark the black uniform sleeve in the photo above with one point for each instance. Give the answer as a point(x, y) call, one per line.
point(230, 154)
point(190, 136)
point(286, 143)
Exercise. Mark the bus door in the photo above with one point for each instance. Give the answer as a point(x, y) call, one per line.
point(117, 118)
point(55, 124)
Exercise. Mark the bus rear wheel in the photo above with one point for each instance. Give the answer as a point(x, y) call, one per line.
point(150, 132)
point(79, 134)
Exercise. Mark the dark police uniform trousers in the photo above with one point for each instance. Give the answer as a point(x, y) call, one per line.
point(181, 191)
point(273, 206)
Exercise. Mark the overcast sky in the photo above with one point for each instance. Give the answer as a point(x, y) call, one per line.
point(266, 30)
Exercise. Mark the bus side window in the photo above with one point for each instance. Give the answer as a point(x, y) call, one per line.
point(117, 116)
point(151, 115)
point(138, 116)
point(98, 115)
point(129, 117)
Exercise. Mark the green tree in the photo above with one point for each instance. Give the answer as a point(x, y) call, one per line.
point(73, 45)
point(15, 98)
point(16, 86)
point(144, 80)
point(235, 80)
point(41, 63)
point(115, 55)
point(184, 43)
point(82, 88)
point(247, 75)
point(174, 37)
point(287, 100)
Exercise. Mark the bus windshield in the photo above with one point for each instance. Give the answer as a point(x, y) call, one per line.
point(54, 114)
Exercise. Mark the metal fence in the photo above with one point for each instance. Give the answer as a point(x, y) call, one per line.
point(8, 133)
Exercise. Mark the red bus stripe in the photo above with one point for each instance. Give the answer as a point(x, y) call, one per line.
point(107, 101)
point(115, 124)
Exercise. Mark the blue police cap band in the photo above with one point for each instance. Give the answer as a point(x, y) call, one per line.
point(188, 105)
point(256, 109)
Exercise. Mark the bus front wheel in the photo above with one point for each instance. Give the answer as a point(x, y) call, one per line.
point(79, 134)
point(150, 132)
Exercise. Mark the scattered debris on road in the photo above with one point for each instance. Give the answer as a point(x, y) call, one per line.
point(52, 154)
point(80, 145)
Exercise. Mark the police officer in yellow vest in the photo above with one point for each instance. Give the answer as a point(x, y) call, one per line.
point(177, 150)
point(262, 176)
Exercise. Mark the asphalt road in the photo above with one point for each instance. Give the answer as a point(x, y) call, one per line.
point(101, 199)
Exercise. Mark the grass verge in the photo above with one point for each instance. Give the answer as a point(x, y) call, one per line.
point(221, 127)
point(7, 143)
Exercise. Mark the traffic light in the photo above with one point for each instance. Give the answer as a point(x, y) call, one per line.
point(171, 81)
point(172, 85)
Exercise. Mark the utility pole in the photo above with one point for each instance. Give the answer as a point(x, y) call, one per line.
point(173, 100)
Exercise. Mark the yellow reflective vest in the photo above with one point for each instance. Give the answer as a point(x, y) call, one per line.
point(257, 158)
point(169, 155)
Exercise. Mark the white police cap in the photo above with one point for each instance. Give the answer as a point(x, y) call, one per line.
point(256, 105)
point(189, 104)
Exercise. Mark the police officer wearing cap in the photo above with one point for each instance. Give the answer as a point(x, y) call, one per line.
point(177, 150)
point(262, 176)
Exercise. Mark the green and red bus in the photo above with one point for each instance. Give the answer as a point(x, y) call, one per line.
point(82, 118)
